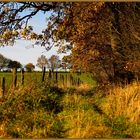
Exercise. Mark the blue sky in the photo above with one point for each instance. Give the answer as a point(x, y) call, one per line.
point(24, 55)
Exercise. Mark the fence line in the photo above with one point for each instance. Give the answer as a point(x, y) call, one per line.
point(51, 76)
point(14, 77)
point(22, 76)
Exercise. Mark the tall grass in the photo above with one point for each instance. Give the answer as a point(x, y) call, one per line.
point(97, 116)
point(39, 110)
point(124, 101)
point(81, 120)
point(29, 112)
point(122, 109)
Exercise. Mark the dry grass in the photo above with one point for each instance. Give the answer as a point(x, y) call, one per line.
point(124, 101)
point(84, 87)
point(120, 118)
point(81, 121)
point(122, 109)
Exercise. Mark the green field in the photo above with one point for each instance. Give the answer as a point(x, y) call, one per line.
point(63, 78)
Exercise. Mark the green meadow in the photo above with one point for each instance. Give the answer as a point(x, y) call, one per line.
point(63, 78)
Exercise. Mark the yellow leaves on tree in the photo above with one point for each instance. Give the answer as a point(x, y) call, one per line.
point(103, 37)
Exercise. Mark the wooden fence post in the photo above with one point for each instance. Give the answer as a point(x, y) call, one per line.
point(22, 76)
point(60, 77)
point(43, 76)
point(53, 76)
point(3, 85)
point(71, 80)
point(66, 79)
point(63, 80)
point(56, 77)
point(50, 75)
point(14, 77)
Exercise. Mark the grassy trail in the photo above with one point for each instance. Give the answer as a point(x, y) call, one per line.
point(42, 110)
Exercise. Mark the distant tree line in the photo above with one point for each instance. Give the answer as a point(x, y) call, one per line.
point(8, 64)
point(52, 63)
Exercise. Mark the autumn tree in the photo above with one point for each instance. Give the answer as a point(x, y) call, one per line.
point(54, 62)
point(14, 17)
point(29, 67)
point(42, 62)
point(105, 38)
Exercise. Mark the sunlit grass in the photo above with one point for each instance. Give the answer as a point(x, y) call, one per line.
point(122, 109)
point(40, 110)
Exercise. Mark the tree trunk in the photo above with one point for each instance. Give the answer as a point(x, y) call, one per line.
point(118, 48)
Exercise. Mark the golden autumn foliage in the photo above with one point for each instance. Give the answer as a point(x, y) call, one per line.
point(104, 37)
